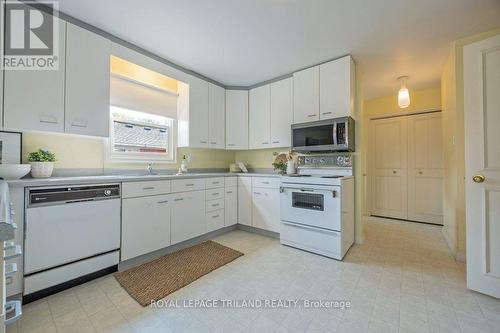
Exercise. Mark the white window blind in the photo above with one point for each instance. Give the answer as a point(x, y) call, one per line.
point(132, 95)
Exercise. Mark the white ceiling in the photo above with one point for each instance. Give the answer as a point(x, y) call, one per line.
point(244, 42)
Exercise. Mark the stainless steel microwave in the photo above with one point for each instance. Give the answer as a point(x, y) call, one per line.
point(324, 135)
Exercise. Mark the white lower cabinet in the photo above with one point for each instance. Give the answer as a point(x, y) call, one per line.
point(266, 208)
point(145, 225)
point(245, 200)
point(231, 206)
point(188, 215)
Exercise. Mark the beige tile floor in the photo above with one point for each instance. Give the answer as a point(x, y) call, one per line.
point(402, 279)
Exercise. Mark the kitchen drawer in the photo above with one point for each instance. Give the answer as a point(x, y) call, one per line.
point(215, 193)
point(266, 182)
point(215, 220)
point(183, 185)
point(214, 205)
point(145, 188)
point(231, 181)
point(215, 182)
point(325, 242)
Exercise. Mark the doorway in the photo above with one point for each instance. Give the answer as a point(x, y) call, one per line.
point(405, 167)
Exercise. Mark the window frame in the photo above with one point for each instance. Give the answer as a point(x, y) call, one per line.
point(131, 157)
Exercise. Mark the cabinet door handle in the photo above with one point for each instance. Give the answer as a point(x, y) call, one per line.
point(79, 123)
point(213, 143)
point(276, 142)
point(190, 184)
point(201, 141)
point(163, 201)
point(217, 193)
point(178, 199)
point(265, 182)
point(148, 188)
point(215, 216)
point(326, 113)
point(215, 205)
point(229, 192)
point(48, 119)
point(257, 193)
point(230, 144)
point(265, 143)
point(312, 115)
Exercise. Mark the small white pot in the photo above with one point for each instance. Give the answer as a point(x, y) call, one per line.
point(41, 169)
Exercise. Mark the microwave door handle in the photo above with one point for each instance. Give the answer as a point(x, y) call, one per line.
point(335, 134)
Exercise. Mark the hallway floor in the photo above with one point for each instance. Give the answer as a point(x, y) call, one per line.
point(402, 279)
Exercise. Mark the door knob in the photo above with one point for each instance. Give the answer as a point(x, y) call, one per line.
point(478, 179)
point(420, 172)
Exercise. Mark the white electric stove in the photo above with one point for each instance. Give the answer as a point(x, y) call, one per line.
point(317, 205)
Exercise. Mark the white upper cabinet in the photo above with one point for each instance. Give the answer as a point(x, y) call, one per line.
point(336, 85)
point(237, 119)
point(216, 116)
point(306, 95)
point(87, 82)
point(281, 112)
point(34, 99)
point(198, 113)
point(193, 114)
point(260, 117)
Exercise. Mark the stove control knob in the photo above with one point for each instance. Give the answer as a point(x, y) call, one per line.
point(322, 160)
point(340, 160)
point(107, 193)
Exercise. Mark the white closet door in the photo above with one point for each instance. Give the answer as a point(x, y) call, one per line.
point(425, 168)
point(389, 167)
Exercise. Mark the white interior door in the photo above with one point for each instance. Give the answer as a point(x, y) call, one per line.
point(425, 168)
point(482, 164)
point(389, 167)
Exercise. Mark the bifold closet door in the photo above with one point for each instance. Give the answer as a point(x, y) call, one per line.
point(389, 167)
point(425, 168)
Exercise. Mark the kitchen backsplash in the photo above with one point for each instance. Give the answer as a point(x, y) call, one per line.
point(80, 152)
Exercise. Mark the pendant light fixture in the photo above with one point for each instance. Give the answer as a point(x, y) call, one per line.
point(403, 93)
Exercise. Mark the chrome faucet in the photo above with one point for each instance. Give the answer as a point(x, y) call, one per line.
point(150, 168)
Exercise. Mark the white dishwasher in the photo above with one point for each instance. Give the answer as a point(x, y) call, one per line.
point(72, 234)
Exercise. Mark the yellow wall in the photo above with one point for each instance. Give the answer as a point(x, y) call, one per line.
point(452, 82)
point(260, 158)
point(82, 152)
point(419, 100)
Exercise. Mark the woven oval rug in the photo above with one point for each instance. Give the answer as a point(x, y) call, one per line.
point(155, 280)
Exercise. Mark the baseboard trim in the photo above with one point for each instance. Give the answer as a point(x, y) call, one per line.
point(124, 265)
point(258, 231)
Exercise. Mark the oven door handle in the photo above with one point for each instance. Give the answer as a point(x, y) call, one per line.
point(311, 190)
point(302, 189)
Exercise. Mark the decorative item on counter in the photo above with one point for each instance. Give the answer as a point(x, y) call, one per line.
point(238, 167)
point(184, 167)
point(290, 165)
point(42, 163)
point(280, 163)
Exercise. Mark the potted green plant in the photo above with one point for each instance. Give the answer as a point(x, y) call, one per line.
point(42, 163)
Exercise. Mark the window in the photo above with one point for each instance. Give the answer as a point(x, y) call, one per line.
point(143, 114)
point(141, 136)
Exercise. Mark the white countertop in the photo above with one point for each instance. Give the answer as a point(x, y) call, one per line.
point(25, 182)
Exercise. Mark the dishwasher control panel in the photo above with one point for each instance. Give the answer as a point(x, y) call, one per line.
point(66, 194)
